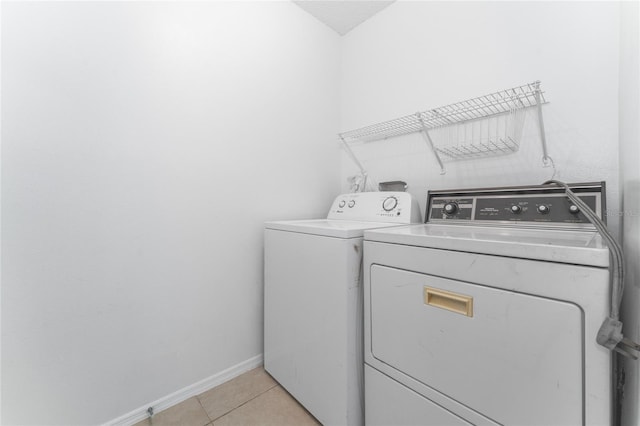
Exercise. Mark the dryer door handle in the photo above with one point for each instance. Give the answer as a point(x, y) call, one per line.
point(454, 302)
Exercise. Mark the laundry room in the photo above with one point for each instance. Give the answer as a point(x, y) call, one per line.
point(180, 181)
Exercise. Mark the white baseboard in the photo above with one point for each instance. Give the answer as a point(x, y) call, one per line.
point(186, 393)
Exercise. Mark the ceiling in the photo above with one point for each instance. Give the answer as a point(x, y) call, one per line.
point(343, 15)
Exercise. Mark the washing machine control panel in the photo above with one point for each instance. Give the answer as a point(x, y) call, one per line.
point(385, 206)
point(539, 204)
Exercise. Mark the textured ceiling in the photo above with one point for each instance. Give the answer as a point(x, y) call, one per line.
point(343, 15)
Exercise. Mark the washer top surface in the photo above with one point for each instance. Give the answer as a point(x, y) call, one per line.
point(580, 247)
point(328, 227)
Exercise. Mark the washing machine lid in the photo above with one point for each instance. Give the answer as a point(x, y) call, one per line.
point(327, 227)
point(564, 246)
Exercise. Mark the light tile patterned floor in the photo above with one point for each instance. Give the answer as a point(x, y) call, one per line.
point(251, 399)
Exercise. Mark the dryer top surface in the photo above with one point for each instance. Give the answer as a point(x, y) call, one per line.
point(565, 246)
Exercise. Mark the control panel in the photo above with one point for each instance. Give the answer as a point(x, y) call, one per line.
point(385, 206)
point(538, 204)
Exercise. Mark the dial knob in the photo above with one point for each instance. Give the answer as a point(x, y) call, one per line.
point(543, 209)
point(341, 203)
point(352, 203)
point(574, 209)
point(516, 209)
point(450, 208)
point(389, 203)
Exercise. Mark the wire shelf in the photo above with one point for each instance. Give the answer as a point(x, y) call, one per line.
point(485, 126)
point(496, 103)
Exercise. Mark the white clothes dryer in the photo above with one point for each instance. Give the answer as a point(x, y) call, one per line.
point(488, 313)
point(313, 301)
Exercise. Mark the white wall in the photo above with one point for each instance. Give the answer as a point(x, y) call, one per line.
point(630, 188)
point(143, 146)
point(420, 55)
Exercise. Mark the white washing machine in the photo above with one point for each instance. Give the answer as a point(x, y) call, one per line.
point(313, 301)
point(487, 314)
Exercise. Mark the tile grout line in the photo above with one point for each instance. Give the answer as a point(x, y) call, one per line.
point(247, 401)
point(205, 411)
point(244, 403)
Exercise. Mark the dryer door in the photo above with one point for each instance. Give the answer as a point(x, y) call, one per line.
point(515, 358)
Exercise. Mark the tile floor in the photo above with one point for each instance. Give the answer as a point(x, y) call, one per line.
point(251, 399)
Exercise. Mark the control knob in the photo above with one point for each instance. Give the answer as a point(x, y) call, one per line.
point(516, 209)
point(389, 203)
point(573, 209)
point(341, 203)
point(543, 209)
point(352, 203)
point(450, 208)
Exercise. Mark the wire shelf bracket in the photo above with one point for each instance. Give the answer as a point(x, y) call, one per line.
point(427, 138)
point(485, 126)
point(357, 162)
